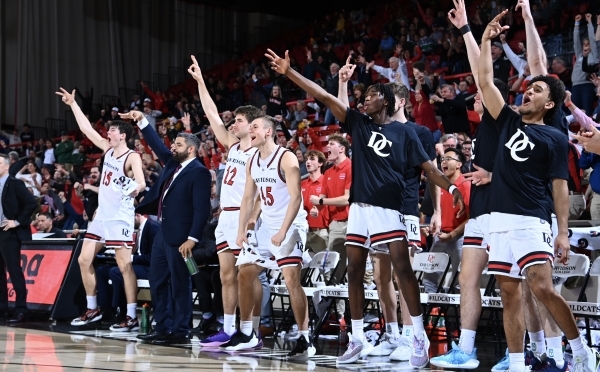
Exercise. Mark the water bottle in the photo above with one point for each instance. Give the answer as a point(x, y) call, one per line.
point(191, 265)
point(145, 326)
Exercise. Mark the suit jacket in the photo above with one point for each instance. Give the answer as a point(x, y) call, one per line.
point(186, 206)
point(18, 204)
point(145, 249)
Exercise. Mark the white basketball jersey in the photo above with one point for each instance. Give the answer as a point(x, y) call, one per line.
point(234, 178)
point(270, 181)
point(114, 202)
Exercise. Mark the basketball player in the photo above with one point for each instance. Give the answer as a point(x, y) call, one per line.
point(112, 225)
point(232, 190)
point(398, 348)
point(274, 173)
point(521, 240)
point(384, 152)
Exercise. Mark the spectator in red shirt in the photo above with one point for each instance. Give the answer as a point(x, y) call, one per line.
point(334, 197)
point(450, 240)
point(424, 115)
point(318, 220)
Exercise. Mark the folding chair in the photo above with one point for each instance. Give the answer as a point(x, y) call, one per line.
point(433, 262)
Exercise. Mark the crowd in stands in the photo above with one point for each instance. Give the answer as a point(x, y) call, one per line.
point(410, 42)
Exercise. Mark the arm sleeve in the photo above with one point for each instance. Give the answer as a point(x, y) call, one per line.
point(200, 203)
point(576, 42)
point(416, 153)
point(157, 145)
point(594, 54)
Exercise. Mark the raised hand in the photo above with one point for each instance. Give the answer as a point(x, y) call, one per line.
point(67, 98)
point(370, 64)
point(346, 73)
point(525, 8)
point(186, 121)
point(278, 64)
point(588, 17)
point(567, 97)
point(595, 79)
point(308, 56)
point(132, 115)
point(494, 28)
point(458, 15)
point(503, 38)
point(195, 71)
point(578, 18)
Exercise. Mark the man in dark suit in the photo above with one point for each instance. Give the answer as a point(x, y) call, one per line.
point(111, 298)
point(181, 200)
point(16, 207)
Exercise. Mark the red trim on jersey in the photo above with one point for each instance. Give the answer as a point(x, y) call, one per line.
point(229, 209)
point(118, 243)
point(274, 156)
point(222, 246)
point(127, 153)
point(281, 175)
point(237, 143)
point(252, 160)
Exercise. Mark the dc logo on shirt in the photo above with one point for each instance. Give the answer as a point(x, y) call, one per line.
point(519, 145)
point(379, 144)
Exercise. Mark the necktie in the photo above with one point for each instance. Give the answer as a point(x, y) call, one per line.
point(164, 190)
point(1, 210)
point(136, 242)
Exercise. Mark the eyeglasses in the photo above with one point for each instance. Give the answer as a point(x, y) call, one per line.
point(448, 158)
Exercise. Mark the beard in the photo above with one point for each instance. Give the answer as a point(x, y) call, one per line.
point(524, 111)
point(180, 157)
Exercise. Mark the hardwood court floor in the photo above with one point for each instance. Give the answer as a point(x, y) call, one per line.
point(39, 346)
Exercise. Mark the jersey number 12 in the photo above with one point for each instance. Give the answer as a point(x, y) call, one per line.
point(227, 179)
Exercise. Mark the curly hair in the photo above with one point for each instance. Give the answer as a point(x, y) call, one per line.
point(556, 94)
point(388, 95)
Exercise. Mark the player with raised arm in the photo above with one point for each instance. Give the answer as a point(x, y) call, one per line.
point(384, 152)
point(398, 348)
point(532, 156)
point(273, 172)
point(232, 190)
point(112, 225)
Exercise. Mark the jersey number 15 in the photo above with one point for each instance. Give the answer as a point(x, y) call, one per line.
point(267, 197)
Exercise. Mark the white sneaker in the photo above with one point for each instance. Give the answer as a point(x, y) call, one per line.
point(386, 346)
point(356, 349)
point(589, 363)
point(403, 351)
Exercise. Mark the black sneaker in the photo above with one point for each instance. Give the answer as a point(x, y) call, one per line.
point(303, 349)
point(239, 341)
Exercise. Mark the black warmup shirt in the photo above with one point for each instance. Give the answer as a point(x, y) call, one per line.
point(382, 156)
point(528, 158)
point(484, 147)
point(413, 176)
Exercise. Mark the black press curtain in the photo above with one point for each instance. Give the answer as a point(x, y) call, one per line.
point(111, 45)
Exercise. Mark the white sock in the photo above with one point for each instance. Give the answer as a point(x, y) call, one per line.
point(577, 347)
point(92, 304)
point(394, 330)
point(408, 331)
point(555, 350)
point(131, 310)
point(229, 324)
point(467, 340)
point(305, 334)
point(538, 345)
point(246, 327)
point(417, 322)
point(256, 323)
point(358, 330)
point(517, 361)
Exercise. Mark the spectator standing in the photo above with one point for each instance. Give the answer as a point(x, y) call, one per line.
point(583, 89)
point(453, 111)
point(397, 72)
point(501, 65)
point(64, 151)
point(32, 178)
point(424, 114)
point(560, 67)
point(16, 207)
point(27, 134)
point(318, 219)
point(49, 158)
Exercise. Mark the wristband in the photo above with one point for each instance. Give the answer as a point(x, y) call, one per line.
point(576, 23)
point(321, 201)
point(465, 29)
point(569, 104)
point(451, 189)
